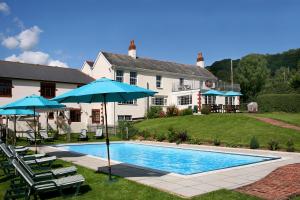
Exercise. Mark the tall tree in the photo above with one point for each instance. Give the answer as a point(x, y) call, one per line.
point(252, 73)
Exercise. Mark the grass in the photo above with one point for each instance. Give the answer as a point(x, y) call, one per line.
point(292, 118)
point(97, 187)
point(231, 129)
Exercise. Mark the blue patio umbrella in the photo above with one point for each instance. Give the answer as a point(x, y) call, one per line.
point(33, 102)
point(15, 113)
point(104, 90)
point(213, 93)
point(232, 94)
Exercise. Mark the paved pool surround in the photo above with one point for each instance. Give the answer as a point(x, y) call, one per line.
point(185, 185)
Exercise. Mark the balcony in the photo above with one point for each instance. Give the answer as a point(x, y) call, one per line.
point(197, 85)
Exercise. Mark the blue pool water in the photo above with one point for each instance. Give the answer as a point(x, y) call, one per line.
point(168, 159)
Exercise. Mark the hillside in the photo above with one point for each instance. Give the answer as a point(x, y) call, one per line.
point(290, 58)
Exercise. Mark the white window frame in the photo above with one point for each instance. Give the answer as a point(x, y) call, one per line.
point(119, 78)
point(130, 102)
point(159, 101)
point(133, 79)
point(158, 81)
point(185, 100)
point(124, 117)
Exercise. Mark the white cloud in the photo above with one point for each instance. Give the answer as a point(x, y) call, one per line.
point(29, 37)
point(58, 63)
point(36, 57)
point(26, 40)
point(10, 42)
point(4, 8)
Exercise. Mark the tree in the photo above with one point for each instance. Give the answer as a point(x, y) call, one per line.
point(252, 74)
point(295, 81)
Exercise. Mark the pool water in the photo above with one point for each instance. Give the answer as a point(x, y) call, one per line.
point(168, 159)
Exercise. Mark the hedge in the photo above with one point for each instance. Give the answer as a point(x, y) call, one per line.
point(279, 102)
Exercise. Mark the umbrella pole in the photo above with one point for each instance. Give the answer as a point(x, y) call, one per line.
point(6, 139)
point(15, 129)
point(107, 139)
point(34, 124)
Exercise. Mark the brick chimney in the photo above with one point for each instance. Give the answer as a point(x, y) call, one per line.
point(132, 49)
point(200, 60)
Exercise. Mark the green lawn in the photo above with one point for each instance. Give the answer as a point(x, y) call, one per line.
point(231, 129)
point(97, 187)
point(292, 118)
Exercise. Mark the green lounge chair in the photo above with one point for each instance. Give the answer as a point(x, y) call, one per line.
point(38, 187)
point(30, 137)
point(25, 157)
point(45, 161)
point(51, 174)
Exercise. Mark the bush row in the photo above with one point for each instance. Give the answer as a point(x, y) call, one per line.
point(279, 102)
point(157, 112)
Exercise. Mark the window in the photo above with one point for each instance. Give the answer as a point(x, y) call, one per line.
point(210, 100)
point(48, 90)
point(75, 115)
point(158, 81)
point(119, 75)
point(159, 101)
point(184, 100)
point(181, 81)
point(229, 100)
point(95, 116)
point(131, 102)
point(51, 115)
point(133, 78)
point(124, 117)
point(5, 88)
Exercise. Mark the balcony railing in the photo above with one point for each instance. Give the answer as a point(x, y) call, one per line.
point(219, 85)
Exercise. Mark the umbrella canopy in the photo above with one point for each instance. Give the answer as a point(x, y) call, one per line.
point(16, 112)
point(213, 93)
point(33, 102)
point(232, 94)
point(111, 90)
point(104, 90)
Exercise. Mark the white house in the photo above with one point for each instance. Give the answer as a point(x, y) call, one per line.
point(18, 80)
point(176, 84)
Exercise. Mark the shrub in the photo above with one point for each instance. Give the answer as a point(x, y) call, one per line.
point(217, 142)
point(182, 136)
point(132, 131)
point(279, 102)
point(145, 134)
point(154, 112)
point(186, 111)
point(172, 111)
point(290, 146)
point(205, 110)
point(195, 140)
point(162, 114)
point(160, 137)
point(172, 134)
point(254, 144)
point(273, 145)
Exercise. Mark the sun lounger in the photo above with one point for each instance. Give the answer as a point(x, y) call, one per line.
point(30, 137)
point(44, 161)
point(50, 174)
point(38, 187)
point(83, 135)
point(99, 133)
point(25, 157)
point(44, 135)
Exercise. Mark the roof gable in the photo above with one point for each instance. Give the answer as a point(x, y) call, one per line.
point(157, 65)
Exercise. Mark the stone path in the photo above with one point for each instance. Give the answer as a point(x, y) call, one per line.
point(282, 183)
point(277, 123)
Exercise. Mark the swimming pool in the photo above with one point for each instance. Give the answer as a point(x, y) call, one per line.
point(168, 159)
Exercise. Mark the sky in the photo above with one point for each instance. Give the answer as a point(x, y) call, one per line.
point(68, 32)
